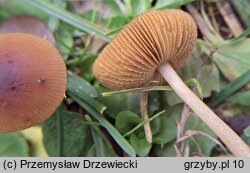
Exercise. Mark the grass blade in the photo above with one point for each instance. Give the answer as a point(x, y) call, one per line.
point(70, 18)
point(98, 142)
point(60, 132)
point(136, 90)
point(109, 127)
point(174, 4)
point(144, 122)
point(154, 88)
point(115, 30)
point(231, 89)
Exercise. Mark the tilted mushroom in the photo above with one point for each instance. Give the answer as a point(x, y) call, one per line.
point(32, 81)
point(158, 43)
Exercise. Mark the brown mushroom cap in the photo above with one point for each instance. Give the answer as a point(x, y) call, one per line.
point(27, 24)
point(132, 58)
point(32, 81)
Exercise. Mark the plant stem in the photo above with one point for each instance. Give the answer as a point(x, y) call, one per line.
point(144, 115)
point(237, 146)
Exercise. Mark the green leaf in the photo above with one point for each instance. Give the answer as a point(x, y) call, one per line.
point(65, 42)
point(115, 30)
point(206, 145)
point(86, 67)
point(109, 127)
point(155, 125)
point(245, 139)
point(121, 102)
point(140, 144)
point(84, 91)
point(126, 120)
point(247, 131)
point(117, 21)
point(167, 150)
point(197, 86)
point(79, 85)
point(13, 145)
point(94, 16)
point(98, 143)
point(77, 136)
point(209, 77)
point(114, 5)
point(102, 145)
point(233, 59)
point(241, 98)
point(231, 89)
point(137, 7)
point(229, 109)
point(69, 18)
point(172, 98)
point(153, 102)
point(127, 100)
point(108, 152)
point(167, 131)
point(144, 122)
point(212, 80)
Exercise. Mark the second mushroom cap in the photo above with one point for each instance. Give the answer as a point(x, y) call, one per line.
point(32, 81)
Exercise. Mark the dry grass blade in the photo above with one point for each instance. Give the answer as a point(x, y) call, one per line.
point(190, 133)
point(230, 17)
point(186, 150)
point(178, 152)
point(136, 90)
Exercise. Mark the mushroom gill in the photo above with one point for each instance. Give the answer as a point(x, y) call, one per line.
point(132, 58)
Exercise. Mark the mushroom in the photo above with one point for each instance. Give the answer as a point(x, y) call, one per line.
point(32, 81)
point(154, 44)
point(27, 24)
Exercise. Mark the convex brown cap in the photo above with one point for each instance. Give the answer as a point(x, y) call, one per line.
point(32, 81)
point(154, 37)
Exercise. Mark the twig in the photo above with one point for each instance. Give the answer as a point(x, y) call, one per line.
point(229, 17)
point(197, 145)
point(191, 133)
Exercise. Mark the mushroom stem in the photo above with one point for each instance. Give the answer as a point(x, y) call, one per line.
point(235, 144)
point(144, 114)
